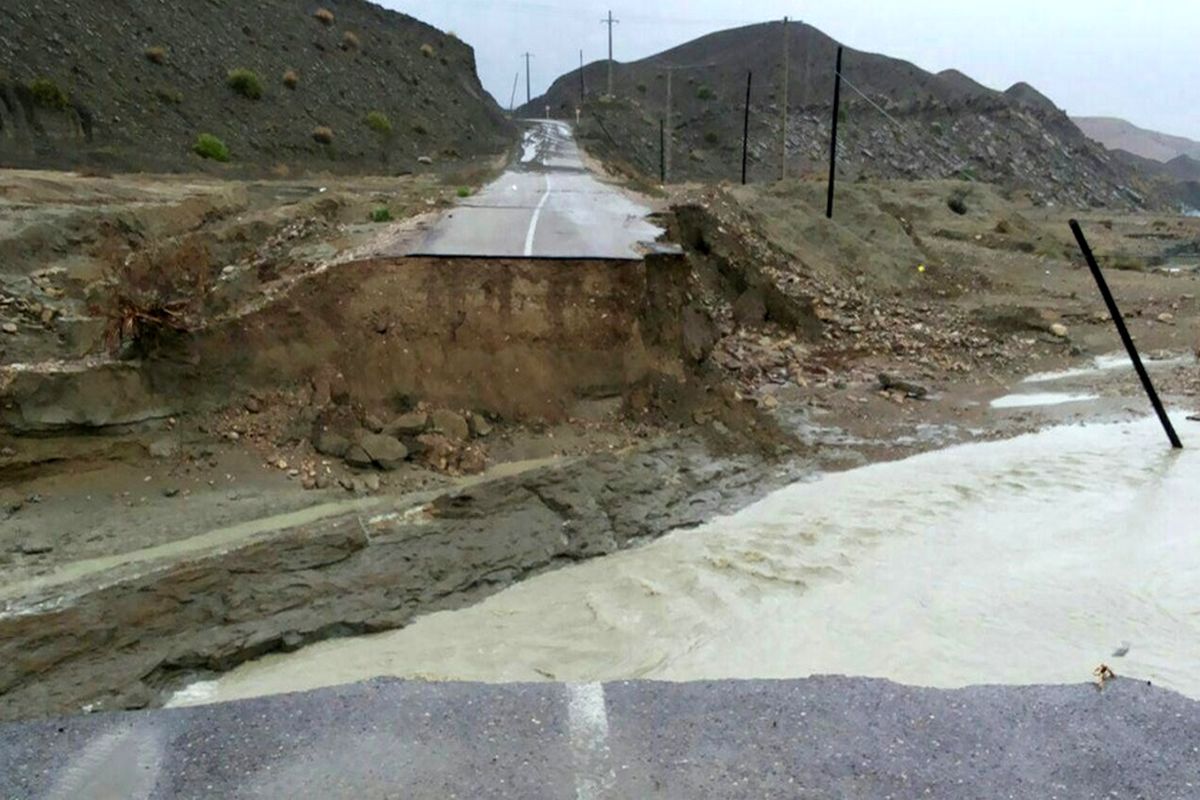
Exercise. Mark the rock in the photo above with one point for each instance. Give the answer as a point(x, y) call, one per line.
point(700, 333)
point(1166, 318)
point(252, 405)
point(750, 309)
point(373, 423)
point(386, 451)
point(331, 444)
point(889, 382)
point(9, 327)
point(424, 160)
point(163, 448)
point(371, 483)
point(453, 425)
point(408, 424)
point(35, 546)
point(171, 491)
point(480, 427)
point(357, 456)
point(1059, 330)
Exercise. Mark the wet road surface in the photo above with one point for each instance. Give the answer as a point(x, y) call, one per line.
point(813, 738)
point(547, 206)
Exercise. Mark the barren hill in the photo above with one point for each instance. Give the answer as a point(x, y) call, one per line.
point(1118, 134)
point(131, 85)
point(910, 124)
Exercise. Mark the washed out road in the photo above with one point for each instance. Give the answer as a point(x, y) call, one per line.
point(548, 205)
point(813, 738)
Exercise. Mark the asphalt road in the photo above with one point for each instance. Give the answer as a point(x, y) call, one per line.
point(813, 738)
point(547, 206)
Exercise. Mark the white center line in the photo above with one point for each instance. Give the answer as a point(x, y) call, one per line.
point(588, 722)
point(537, 213)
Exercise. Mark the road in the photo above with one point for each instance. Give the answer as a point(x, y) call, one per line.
point(812, 738)
point(547, 206)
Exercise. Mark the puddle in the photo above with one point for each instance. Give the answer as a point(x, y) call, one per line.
point(1106, 363)
point(1040, 399)
point(1024, 561)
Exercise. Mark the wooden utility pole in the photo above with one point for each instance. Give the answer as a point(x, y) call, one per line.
point(746, 128)
point(528, 93)
point(667, 124)
point(837, 109)
point(784, 135)
point(582, 85)
point(609, 21)
point(512, 101)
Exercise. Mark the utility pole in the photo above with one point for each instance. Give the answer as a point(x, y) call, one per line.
point(746, 127)
point(582, 85)
point(837, 101)
point(610, 22)
point(783, 167)
point(662, 152)
point(512, 101)
point(667, 126)
point(528, 93)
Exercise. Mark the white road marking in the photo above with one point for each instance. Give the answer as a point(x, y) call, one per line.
point(537, 213)
point(588, 723)
point(121, 764)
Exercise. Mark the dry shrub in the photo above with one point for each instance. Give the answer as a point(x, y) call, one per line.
point(324, 15)
point(323, 135)
point(350, 41)
point(153, 294)
point(291, 79)
point(156, 55)
point(427, 50)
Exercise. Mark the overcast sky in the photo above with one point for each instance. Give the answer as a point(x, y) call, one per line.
point(1137, 59)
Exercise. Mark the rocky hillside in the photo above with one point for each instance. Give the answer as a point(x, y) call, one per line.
point(943, 125)
point(343, 85)
point(1118, 134)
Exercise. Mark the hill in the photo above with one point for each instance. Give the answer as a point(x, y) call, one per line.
point(126, 85)
point(915, 124)
point(1117, 134)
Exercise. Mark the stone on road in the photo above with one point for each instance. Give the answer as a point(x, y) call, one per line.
point(817, 737)
point(547, 206)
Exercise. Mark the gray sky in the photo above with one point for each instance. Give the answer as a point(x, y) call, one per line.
point(1137, 59)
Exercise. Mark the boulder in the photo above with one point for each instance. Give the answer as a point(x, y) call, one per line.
point(408, 424)
point(480, 427)
point(357, 456)
point(453, 426)
point(328, 443)
point(386, 451)
point(750, 309)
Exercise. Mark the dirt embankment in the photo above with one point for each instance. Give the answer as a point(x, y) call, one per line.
point(284, 85)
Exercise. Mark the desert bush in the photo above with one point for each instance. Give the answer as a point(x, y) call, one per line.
point(463, 191)
point(48, 94)
point(427, 50)
point(322, 135)
point(381, 214)
point(379, 122)
point(156, 55)
point(209, 146)
point(641, 87)
point(291, 79)
point(705, 93)
point(324, 15)
point(420, 129)
point(350, 41)
point(711, 138)
point(152, 294)
point(958, 202)
point(246, 83)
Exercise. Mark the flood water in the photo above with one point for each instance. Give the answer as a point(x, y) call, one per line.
point(1024, 561)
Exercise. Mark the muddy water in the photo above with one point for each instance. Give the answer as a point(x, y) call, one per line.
point(1024, 561)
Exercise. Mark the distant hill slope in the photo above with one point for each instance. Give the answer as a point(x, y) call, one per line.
point(130, 85)
point(948, 124)
point(1117, 134)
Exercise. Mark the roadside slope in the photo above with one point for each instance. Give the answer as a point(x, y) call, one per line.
point(131, 86)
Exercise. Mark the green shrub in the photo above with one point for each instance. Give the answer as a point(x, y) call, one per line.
point(169, 95)
point(378, 122)
point(46, 93)
point(246, 83)
point(420, 129)
point(712, 138)
point(641, 87)
point(705, 93)
point(381, 214)
point(463, 191)
point(209, 146)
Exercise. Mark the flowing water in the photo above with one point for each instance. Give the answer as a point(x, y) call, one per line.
point(1024, 561)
